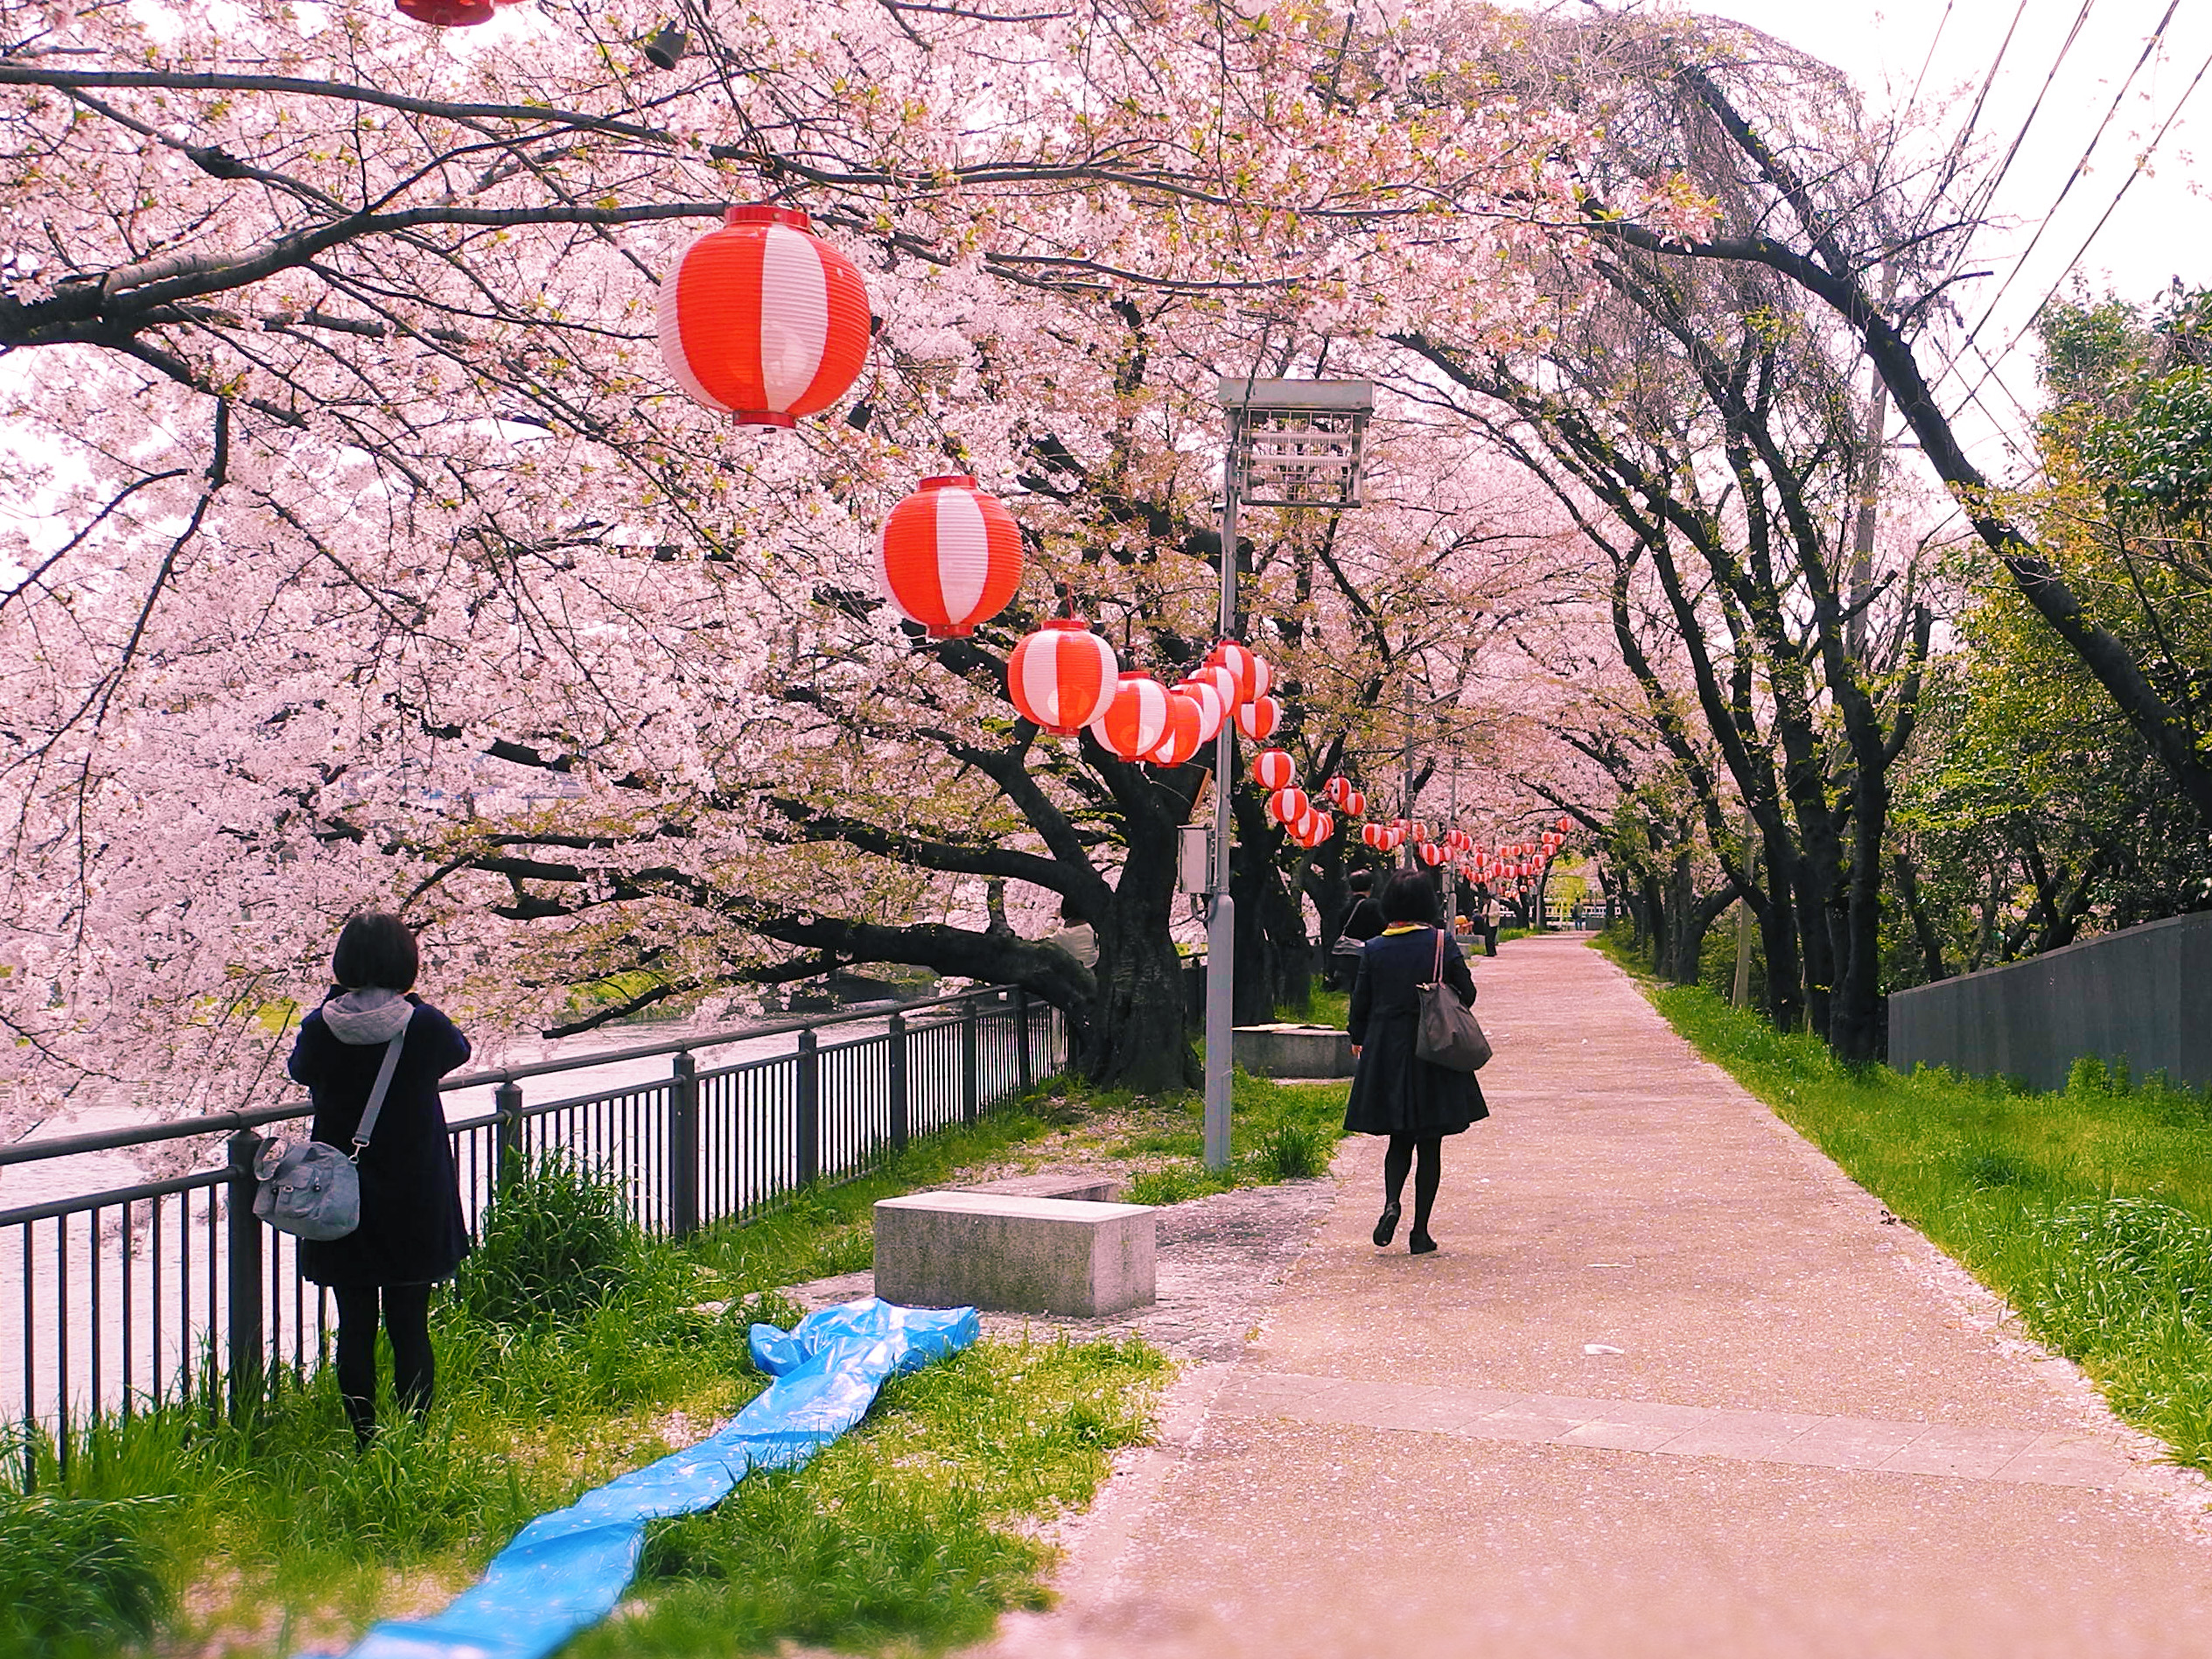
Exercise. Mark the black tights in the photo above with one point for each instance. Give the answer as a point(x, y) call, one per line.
point(1399, 1159)
point(406, 1318)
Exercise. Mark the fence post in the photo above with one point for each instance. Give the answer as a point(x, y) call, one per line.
point(970, 1094)
point(809, 1108)
point(246, 1335)
point(1026, 1071)
point(901, 1105)
point(683, 1146)
point(506, 1134)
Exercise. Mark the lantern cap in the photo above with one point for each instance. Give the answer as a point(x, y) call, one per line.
point(946, 481)
point(1069, 623)
point(765, 212)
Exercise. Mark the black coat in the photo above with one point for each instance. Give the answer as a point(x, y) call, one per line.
point(412, 1231)
point(1396, 1092)
point(1365, 920)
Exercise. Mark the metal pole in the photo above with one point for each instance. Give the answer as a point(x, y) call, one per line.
point(902, 1111)
point(683, 1146)
point(1221, 916)
point(506, 1134)
point(245, 1347)
point(809, 1103)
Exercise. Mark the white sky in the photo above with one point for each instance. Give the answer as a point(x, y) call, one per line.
point(2163, 227)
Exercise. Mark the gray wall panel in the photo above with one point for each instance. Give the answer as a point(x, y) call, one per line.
point(2145, 995)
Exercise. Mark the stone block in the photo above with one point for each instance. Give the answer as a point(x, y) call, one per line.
point(1090, 1189)
point(1013, 1253)
point(1293, 1051)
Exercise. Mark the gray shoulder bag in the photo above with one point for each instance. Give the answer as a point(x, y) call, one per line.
point(1449, 1035)
point(311, 1189)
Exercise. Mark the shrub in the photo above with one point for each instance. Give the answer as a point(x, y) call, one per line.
point(74, 1575)
point(557, 1242)
point(1290, 1150)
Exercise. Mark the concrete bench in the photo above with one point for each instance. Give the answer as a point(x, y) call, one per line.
point(1014, 1253)
point(1293, 1051)
point(1090, 1189)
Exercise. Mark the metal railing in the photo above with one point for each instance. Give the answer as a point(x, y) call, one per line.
point(168, 1291)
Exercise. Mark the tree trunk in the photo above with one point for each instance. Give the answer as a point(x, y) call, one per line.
point(1136, 1038)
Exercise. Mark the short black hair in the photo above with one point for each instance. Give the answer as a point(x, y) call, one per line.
point(1410, 895)
point(375, 949)
point(1362, 881)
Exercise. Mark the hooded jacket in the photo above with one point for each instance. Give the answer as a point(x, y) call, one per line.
point(412, 1229)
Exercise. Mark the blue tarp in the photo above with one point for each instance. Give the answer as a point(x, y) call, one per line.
point(566, 1570)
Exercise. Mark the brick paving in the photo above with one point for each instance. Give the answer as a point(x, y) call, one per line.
point(1672, 1385)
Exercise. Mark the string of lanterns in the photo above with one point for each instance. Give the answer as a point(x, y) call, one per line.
point(763, 321)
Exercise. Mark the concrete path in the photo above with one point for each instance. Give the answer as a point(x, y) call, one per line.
point(1672, 1385)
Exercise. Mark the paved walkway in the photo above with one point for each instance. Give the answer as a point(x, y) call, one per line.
point(1673, 1385)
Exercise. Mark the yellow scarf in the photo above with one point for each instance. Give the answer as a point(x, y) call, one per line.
point(1406, 927)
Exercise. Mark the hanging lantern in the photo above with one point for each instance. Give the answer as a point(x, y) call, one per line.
point(1335, 789)
point(1273, 769)
point(1419, 830)
point(1180, 742)
point(1253, 676)
point(764, 321)
point(446, 14)
point(1566, 824)
point(949, 557)
point(1212, 708)
point(1258, 718)
point(1285, 806)
point(1223, 681)
point(1328, 828)
point(1354, 803)
point(1135, 718)
point(1061, 676)
point(1431, 854)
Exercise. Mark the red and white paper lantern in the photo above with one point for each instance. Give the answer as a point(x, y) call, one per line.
point(950, 556)
point(1181, 741)
point(1253, 676)
point(1135, 718)
point(1212, 707)
point(1287, 805)
point(1273, 769)
point(1431, 854)
point(1258, 718)
point(1061, 676)
point(763, 320)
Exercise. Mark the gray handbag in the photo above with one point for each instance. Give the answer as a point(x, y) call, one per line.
point(310, 1188)
point(1448, 1034)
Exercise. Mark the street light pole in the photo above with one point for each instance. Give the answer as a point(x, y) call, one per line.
point(1293, 443)
point(1221, 914)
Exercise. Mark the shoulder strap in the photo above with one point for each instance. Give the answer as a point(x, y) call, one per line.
point(375, 1106)
point(1436, 975)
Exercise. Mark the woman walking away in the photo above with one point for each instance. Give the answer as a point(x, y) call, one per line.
point(1395, 1092)
point(411, 1233)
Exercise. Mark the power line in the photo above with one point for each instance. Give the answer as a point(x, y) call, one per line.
point(2080, 169)
point(2126, 184)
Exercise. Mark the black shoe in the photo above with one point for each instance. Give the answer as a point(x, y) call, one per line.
point(1419, 1242)
point(1387, 1228)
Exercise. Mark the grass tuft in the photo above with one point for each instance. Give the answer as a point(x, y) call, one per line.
point(76, 1576)
point(556, 1242)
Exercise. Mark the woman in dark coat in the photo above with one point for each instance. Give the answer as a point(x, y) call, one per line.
point(412, 1233)
point(1395, 1092)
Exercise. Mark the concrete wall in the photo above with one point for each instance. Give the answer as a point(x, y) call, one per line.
point(2145, 995)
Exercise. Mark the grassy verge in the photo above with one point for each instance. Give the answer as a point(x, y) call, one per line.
point(2089, 1211)
point(1278, 1131)
point(911, 1531)
point(569, 1353)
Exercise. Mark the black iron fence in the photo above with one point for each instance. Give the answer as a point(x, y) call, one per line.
point(162, 1290)
point(2143, 995)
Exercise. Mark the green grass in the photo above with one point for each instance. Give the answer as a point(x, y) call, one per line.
point(907, 1532)
point(274, 1534)
point(76, 1576)
point(1278, 1131)
point(1325, 1007)
point(2089, 1211)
